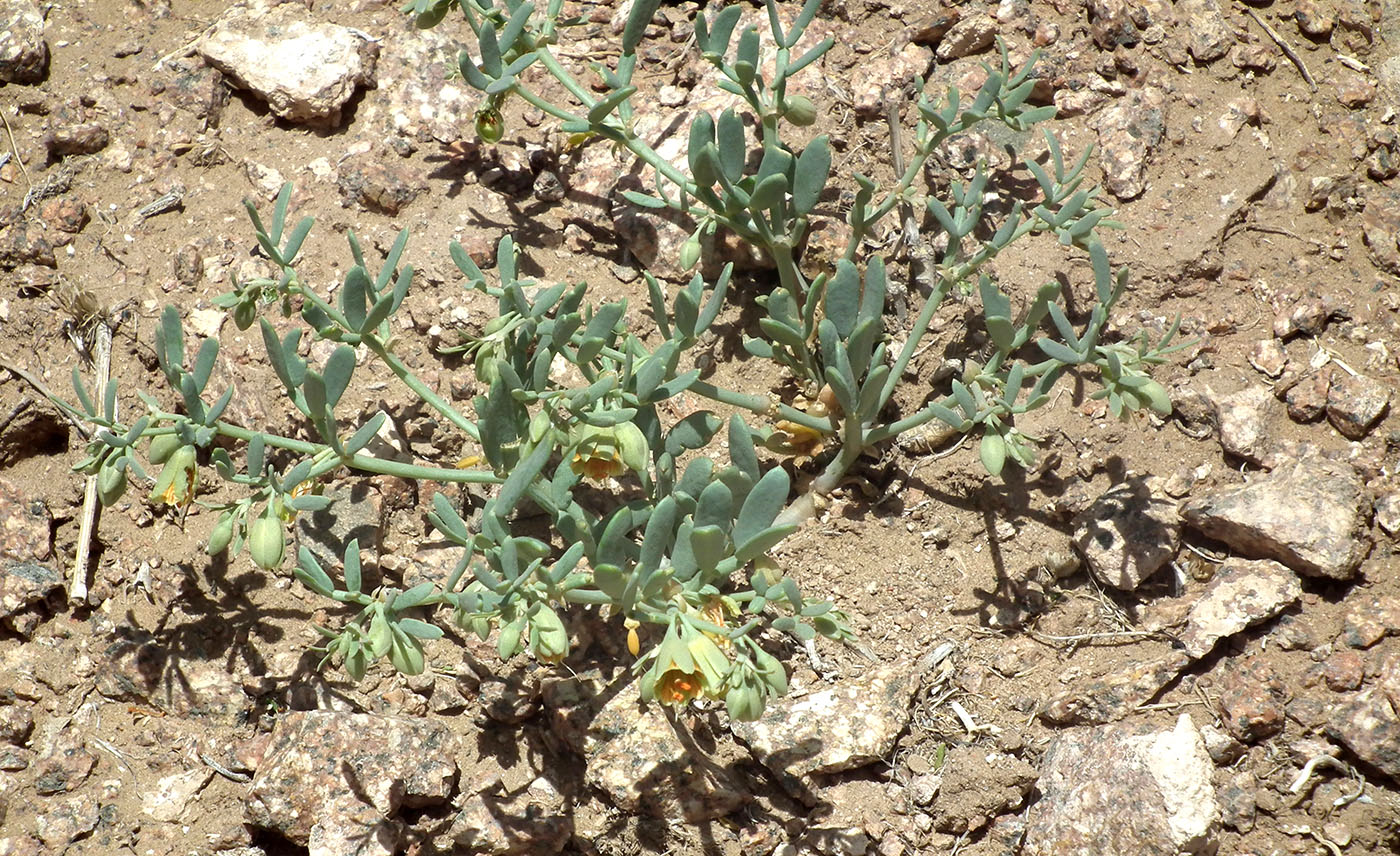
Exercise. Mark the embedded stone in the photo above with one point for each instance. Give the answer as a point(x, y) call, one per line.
point(1208, 33)
point(1241, 594)
point(968, 36)
point(1250, 700)
point(1268, 356)
point(534, 821)
point(1369, 725)
point(1129, 132)
point(1115, 695)
point(1242, 421)
point(24, 55)
point(1356, 403)
point(1309, 516)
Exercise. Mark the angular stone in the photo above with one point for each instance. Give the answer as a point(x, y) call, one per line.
point(968, 36)
point(1343, 671)
point(638, 756)
point(372, 186)
point(1114, 696)
point(24, 55)
point(173, 793)
point(978, 785)
point(836, 729)
point(63, 763)
point(305, 72)
point(83, 138)
point(535, 820)
point(1242, 423)
point(1128, 533)
point(1370, 620)
point(333, 782)
point(1250, 700)
point(1115, 23)
point(1209, 36)
point(1268, 356)
point(1307, 397)
point(1129, 132)
point(1314, 18)
point(416, 98)
point(67, 820)
point(1369, 725)
point(1356, 403)
point(1119, 789)
point(1241, 594)
point(1388, 513)
point(1308, 516)
point(1380, 227)
point(889, 77)
point(23, 585)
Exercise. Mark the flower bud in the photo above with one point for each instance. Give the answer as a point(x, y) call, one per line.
point(690, 253)
point(162, 447)
point(265, 542)
point(549, 640)
point(800, 110)
point(406, 653)
point(993, 452)
point(111, 483)
point(221, 536)
point(490, 127)
point(1156, 397)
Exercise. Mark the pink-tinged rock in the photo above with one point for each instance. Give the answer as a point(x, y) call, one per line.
point(25, 525)
point(1355, 90)
point(847, 726)
point(1388, 513)
point(24, 55)
point(1116, 23)
point(1250, 699)
point(1369, 725)
point(1380, 227)
point(1315, 19)
point(1309, 516)
point(1306, 396)
point(1356, 403)
point(534, 821)
point(1343, 671)
point(140, 669)
point(417, 96)
point(1128, 533)
point(1124, 789)
point(888, 77)
point(305, 72)
point(26, 590)
point(333, 782)
point(1129, 132)
point(1370, 620)
point(1241, 594)
point(66, 820)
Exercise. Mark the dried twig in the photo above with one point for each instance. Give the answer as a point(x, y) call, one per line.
point(1285, 47)
point(78, 589)
point(43, 389)
point(14, 149)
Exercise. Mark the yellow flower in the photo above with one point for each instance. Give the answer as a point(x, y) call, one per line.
point(178, 478)
point(598, 464)
point(677, 687)
point(686, 669)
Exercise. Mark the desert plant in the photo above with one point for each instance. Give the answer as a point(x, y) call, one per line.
point(664, 536)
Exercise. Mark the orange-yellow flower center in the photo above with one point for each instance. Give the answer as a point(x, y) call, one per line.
point(677, 687)
point(598, 465)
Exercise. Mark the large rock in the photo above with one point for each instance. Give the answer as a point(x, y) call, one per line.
point(1310, 516)
point(848, 726)
point(1117, 789)
point(534, 821)
point(1241, 593)
point(1129, 132)
point(332, 782)
point(24, 55)
point(1128, 533)
point(1369, 725)
point(1115, 695)
point(305, 72)
point(640, 756)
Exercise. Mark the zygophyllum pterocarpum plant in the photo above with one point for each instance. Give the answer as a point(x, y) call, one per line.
point(686, 547)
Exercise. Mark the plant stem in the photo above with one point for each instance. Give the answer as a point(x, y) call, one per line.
point(411, 380)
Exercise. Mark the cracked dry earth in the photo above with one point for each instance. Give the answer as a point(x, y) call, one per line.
point(1171, 636)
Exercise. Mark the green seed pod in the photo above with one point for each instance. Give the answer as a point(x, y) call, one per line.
point(244, 314)
point(800, 110)
point(221, 536)
point(744, 703)
point(406, 654)
point(111, 482)
point(690, 253)
point(266, 542)
point(490, 127)
point(381, 639)
point(356, 661)
point(162, 447)
point(549, 640)
point(993, 452)
point(1156, 397)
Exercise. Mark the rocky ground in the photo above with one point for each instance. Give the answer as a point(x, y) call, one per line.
point(1171, 636)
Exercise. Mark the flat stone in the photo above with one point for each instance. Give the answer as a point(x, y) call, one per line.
point(1309, 516)
point(638, 754)
point(1380, 227)
point(1120, 789)
point(1116, 23)
point(1306, 398)
point(1388, 513)
point(1268, 356)
point(1355, 404)
point(366, 182)
point(24, 55)
point(173, 793)
point(1238, 806)
point(1115, 695)
point(1241, 594)
point(63, 762)
point(847, 726)
point(305, 72)
point(977, 785)
point(1369, 620)
point(536, 820)
point(1250, 700)
point(24, 585)
point(1129, 132)
point(67, 820)
point(886, 77)
point(333, 782)
point(1369, 725)
point(81, 138)
point(140, 669)
point(1128, 533)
